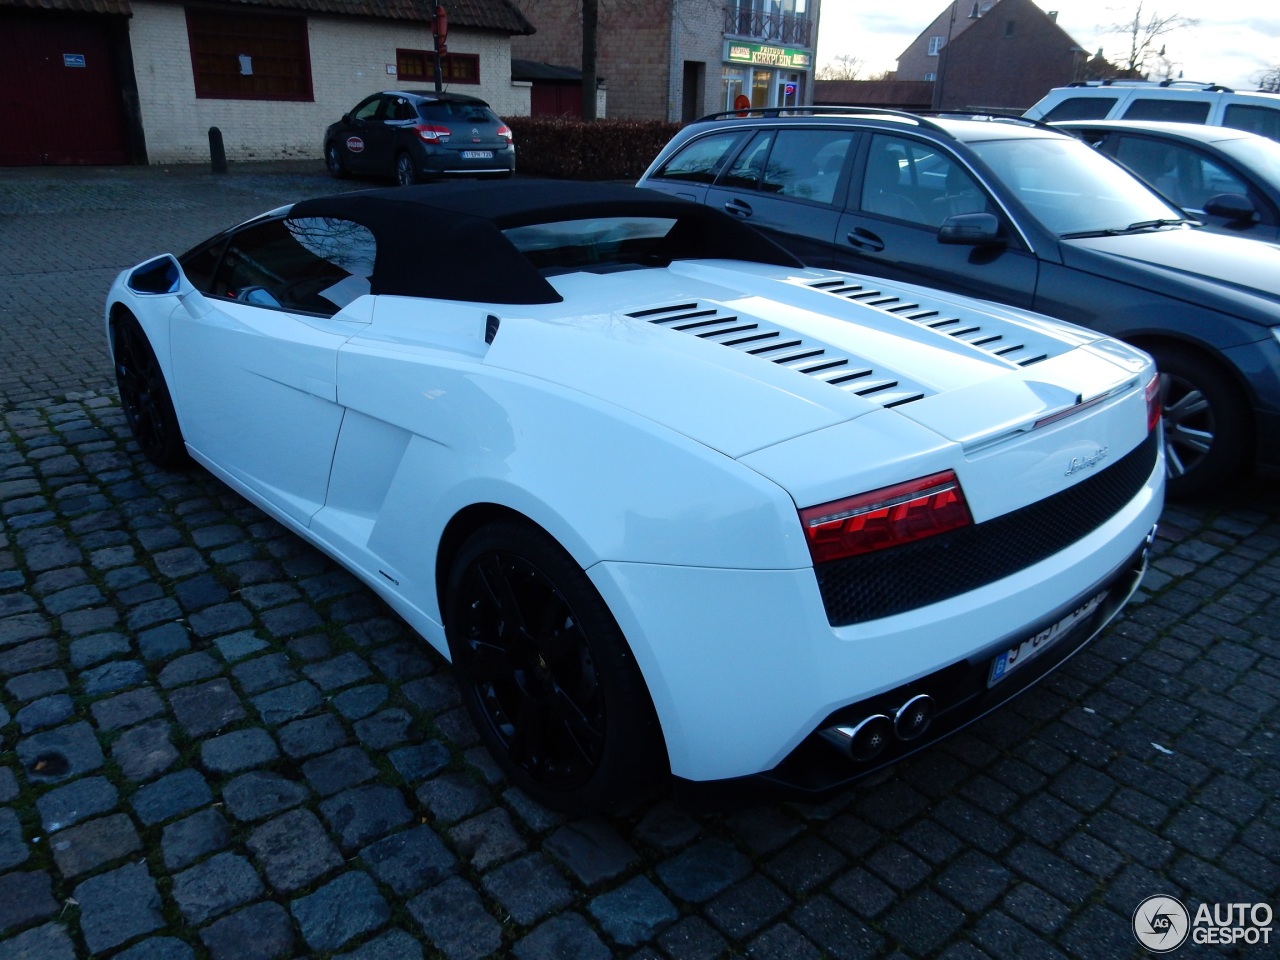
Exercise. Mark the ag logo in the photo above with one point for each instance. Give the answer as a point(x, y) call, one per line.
point(1161, 924)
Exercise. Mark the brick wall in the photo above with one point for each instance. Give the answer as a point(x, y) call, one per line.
point(348, 61)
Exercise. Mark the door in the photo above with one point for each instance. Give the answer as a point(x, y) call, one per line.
point(903, 190)
point(366, 142)
point(255, 365)
point(790, 182)
point(59, 91)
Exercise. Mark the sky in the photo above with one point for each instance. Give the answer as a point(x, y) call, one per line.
point(1234, 40)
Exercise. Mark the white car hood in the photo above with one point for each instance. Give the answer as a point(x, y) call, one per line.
point(743, 358)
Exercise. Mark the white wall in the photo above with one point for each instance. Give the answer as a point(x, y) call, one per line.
point(348, 61)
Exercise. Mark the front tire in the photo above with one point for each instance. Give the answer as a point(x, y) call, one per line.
point(1208, 426)
point(144, 395)
point(546, 675)
point(333, 161)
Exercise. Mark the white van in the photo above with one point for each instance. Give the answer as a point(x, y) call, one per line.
point(1179, 101)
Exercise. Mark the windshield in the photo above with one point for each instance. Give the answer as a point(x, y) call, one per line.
point(1260, 156)
point(1070, 188)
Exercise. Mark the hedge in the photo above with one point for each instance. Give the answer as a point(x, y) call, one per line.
point(573, 149)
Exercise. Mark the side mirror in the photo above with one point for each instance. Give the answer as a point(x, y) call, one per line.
point(158, 276)
point(1235, 207)
point(970, 229)
point(346, 118)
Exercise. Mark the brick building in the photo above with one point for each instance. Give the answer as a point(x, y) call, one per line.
point(150, 77)
point(999, 55)
point(685, 58)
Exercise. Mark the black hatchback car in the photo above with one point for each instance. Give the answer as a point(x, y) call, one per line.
point(1013, 211)
point(415, 135)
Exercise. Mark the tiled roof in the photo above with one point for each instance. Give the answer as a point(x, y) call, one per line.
point(79, 6)
point(500, 15)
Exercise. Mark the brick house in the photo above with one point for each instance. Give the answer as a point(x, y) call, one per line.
point(998, 55)
point(137, 81)
point(682, 59)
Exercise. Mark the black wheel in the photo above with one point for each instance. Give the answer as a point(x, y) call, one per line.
point(148, 408)
point(406, 173)
point(1208, 433)
point(546, 674)
point(333, 160)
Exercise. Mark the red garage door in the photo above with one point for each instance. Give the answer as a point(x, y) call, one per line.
point(58, 91)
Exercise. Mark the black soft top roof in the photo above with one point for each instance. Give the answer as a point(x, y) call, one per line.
point(445, 241)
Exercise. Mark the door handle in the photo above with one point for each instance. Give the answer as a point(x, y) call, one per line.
point(739, 208)
point(865, 239)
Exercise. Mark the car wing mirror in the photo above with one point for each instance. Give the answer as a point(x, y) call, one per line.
point(161, 275)
point(971, 229)
point(1235, 207)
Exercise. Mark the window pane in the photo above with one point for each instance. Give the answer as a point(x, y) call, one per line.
point(1264, 121)
point(700, 161)
point(747, 169)
point(1081, 108)
point(309, 265)
point(249, 57)
point(806, 164)
point(1177, 111)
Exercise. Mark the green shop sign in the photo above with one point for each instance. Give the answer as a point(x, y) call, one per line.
point(759, 54)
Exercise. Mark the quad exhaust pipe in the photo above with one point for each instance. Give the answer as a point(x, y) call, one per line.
point(867, 739)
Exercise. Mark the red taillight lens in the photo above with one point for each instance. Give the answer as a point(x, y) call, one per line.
point(885, 518)
point(431, 133)
point(1153, 403)
point(505, 131)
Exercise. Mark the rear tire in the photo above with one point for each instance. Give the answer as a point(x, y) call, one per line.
point(546, 675)
point(144, 395)
point(1208, 426)
point(406, 172)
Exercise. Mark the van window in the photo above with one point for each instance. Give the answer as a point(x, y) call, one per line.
point(1174, 111)
point(1081, 108)
point(1264, 121)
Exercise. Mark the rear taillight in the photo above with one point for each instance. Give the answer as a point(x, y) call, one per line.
point(1153, 403)
point(885, 518)
point(431, 133)
point(505, 132)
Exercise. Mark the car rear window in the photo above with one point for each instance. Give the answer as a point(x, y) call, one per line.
point(1174, 111)
point(1081, 108)
point(599, 244)
point(446, 110)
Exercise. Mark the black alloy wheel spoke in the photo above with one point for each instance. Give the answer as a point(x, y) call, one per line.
point(496, 581)
point(581, 732)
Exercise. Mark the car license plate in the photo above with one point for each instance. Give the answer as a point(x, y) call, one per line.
point(1013, 658)
point(477, 154)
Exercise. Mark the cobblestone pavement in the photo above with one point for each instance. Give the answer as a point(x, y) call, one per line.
point(216, 744)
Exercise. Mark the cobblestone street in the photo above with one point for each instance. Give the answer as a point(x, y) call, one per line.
point(214, 743)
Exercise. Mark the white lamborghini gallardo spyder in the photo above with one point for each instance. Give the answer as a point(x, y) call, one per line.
point(671, 502)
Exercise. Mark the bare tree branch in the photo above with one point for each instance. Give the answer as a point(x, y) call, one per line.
point(844, 67)
point(1268, 79)
point(1143, 30)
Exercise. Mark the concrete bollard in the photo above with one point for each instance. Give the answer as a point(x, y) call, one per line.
point(216, 151)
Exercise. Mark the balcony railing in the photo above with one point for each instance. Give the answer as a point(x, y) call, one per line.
point(775, 27)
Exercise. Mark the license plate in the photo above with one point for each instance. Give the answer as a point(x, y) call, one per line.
point(1013, 658)
point(477, 154)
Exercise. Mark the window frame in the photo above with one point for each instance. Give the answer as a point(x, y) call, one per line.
point(207, 26)
point(447, 62)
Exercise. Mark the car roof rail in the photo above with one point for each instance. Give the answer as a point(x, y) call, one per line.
point(819, 110)
point(988, 117)
point(1135, 82)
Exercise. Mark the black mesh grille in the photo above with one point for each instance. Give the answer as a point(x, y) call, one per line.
point(916, 574)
